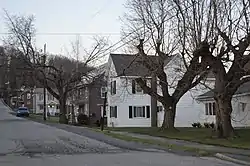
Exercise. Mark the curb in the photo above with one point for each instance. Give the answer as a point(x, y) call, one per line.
point(224, 157)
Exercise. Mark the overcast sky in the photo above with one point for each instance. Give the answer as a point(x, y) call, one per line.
point(67, 16)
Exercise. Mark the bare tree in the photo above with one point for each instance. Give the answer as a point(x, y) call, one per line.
point(60, 74)
point(156, 23)
point(228, 40)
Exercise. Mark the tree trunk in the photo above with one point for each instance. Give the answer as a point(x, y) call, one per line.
point(224, 126)
point(169, 116)
point(73, 115)
point(154, 102)
point(63, 111)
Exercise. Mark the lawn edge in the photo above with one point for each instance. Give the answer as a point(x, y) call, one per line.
point(197, 151)
point(194, 141)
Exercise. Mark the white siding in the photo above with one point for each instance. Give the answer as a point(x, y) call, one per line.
point(241, 118)
point(38, 102)
point(188, 109)
point(123, 99)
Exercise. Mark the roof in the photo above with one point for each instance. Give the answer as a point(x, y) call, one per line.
point(131, 64)
point(244, 88)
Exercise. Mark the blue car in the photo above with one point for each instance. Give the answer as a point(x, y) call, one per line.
point(22, 112)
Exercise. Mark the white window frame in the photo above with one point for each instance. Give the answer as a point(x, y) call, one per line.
point(40, 105)
point(160, 108)
point(103, 91)
point(138, 112)
point(209, 108)
point(40, 97)
point(112, 108)
point(112, 87)
point(138, 89)
point(28, 96)
point(242, 106)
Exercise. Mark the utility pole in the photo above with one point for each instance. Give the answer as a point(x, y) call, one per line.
point(44, 85)
point(103, 111)
point(75, 92)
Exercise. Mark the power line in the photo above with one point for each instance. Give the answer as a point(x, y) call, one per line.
point(69, 33)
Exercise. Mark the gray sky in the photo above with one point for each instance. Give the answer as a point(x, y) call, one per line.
point(68, 16)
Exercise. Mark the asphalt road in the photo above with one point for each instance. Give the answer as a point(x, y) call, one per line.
point(27, 143)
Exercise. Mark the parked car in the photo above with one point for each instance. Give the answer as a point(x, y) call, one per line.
point(22, 112)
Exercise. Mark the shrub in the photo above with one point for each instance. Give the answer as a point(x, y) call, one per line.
point(83, 119)
point(206, 125)
point(98, 124)
point(212, 125)
point(194, 125)
point(199, 125)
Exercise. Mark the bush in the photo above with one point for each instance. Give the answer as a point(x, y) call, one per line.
point(98, 124)
point(206, 125)
point(198, 125)
point(83, 119)
point(194, 125)
point(212, 125)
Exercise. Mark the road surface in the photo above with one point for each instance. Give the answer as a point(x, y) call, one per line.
point(27, 143)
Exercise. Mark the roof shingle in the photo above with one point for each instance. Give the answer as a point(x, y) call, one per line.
point(131, 65)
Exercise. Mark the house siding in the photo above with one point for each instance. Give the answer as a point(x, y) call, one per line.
point(188, 109)
point(95, 100)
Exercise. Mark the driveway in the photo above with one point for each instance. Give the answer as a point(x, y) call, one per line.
point(27, 143)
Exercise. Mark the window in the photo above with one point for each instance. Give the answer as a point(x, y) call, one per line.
point(28, 96)
point(139, 112)
point(50, 97)
point(242, 106)
point(113, 87)
point(113, 111)
point(210, 108)
point(41, 107)
point(159, 108)
point(40, 97)
point(103, 91)
point(136, 88)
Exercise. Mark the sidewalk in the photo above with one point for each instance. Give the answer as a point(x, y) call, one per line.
point(239, 154)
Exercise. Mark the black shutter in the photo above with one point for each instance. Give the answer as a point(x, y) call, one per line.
point(110, 110)
point(133, 86)
point(130, 112)
point(115, 111)
point(134, 110)
point(114, 87)
point(148, 111)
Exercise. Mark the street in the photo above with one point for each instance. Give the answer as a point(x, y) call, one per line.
point(26, 143)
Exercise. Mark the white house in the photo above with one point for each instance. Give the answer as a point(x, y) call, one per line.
point(52, 103)
point(130, 107)
point(240, 103)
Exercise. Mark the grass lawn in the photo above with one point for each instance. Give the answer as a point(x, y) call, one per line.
point(52, 119)
point(200, 135)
